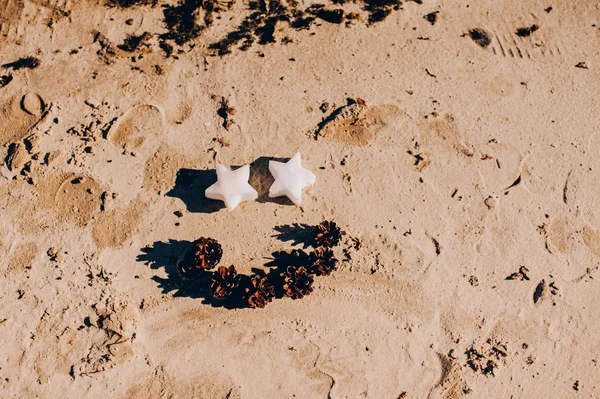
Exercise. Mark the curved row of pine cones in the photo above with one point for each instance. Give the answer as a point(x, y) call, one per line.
point(258, 290)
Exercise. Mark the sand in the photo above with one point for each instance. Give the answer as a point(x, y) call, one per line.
point(456, 143)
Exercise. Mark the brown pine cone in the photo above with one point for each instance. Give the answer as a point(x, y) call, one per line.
point(224, 282)
point(205, 254)
point(322, 261)
point(328, 234)
point(297, 282)
point(260, 292)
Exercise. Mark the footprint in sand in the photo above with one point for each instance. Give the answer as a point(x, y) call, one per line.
point(18, 116)
point(562, 234)
point(180, 114)
point(450, 384)
point(159, 384)
point(441, 135)
point(10, 14)
point(132, 130)
point(22, 257)
point(591, 238)
point(77, 199)
point(6, 238)
point(499, 166)
point(573, 236)
point(356, 124)
point(114, 227)
point(161, 168)
point(67, 197)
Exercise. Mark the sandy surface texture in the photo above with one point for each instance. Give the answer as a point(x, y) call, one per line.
point(456, 143)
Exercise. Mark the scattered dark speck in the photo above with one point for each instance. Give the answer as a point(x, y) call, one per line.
point(548, 9)
point(432, 17)
point(429, 73)
point(438, 248)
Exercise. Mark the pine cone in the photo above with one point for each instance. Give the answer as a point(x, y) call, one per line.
point(322, 261)
point(297, 282)
point(205, 254)
point(328, 234)
point(260, 292)
point(224, 282)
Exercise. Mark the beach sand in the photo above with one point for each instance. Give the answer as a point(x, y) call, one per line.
point(455, 143)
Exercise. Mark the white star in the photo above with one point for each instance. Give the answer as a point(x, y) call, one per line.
point(290, 179)
point(232, 187)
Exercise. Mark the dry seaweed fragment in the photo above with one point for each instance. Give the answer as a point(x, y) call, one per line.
point(302, 22)
point(322, 261)
point(182, 24)
point(520, 275)
point(133, 43)
point(380, 9)
point(332, 16)
point(260, 292)
point(106, 51)
point(25, 62)
point(166, 47)
point(224, 282)
point(181, 21)
point(478, 362)
point(527, 31)
point(260, 24)
point(205, 254)
point(488, 357)
point(328, 234)
point(480, 36)
point(539, 291)
point(297, 282)
point(130, 3)
point(4, 80)
point(226, 111)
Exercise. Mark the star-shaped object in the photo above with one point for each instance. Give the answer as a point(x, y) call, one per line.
point(232, 187)
point(290, 179)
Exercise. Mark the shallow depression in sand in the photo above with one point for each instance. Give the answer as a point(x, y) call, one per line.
point(74, 198)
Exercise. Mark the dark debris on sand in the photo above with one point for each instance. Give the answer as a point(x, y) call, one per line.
point(131, 3)
point(480, 36)
point(432, 17)
point(186, 20)
point(527, 31)
point(182, 23)
point(134, 43)
point(23, 63)
point(5, 80)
